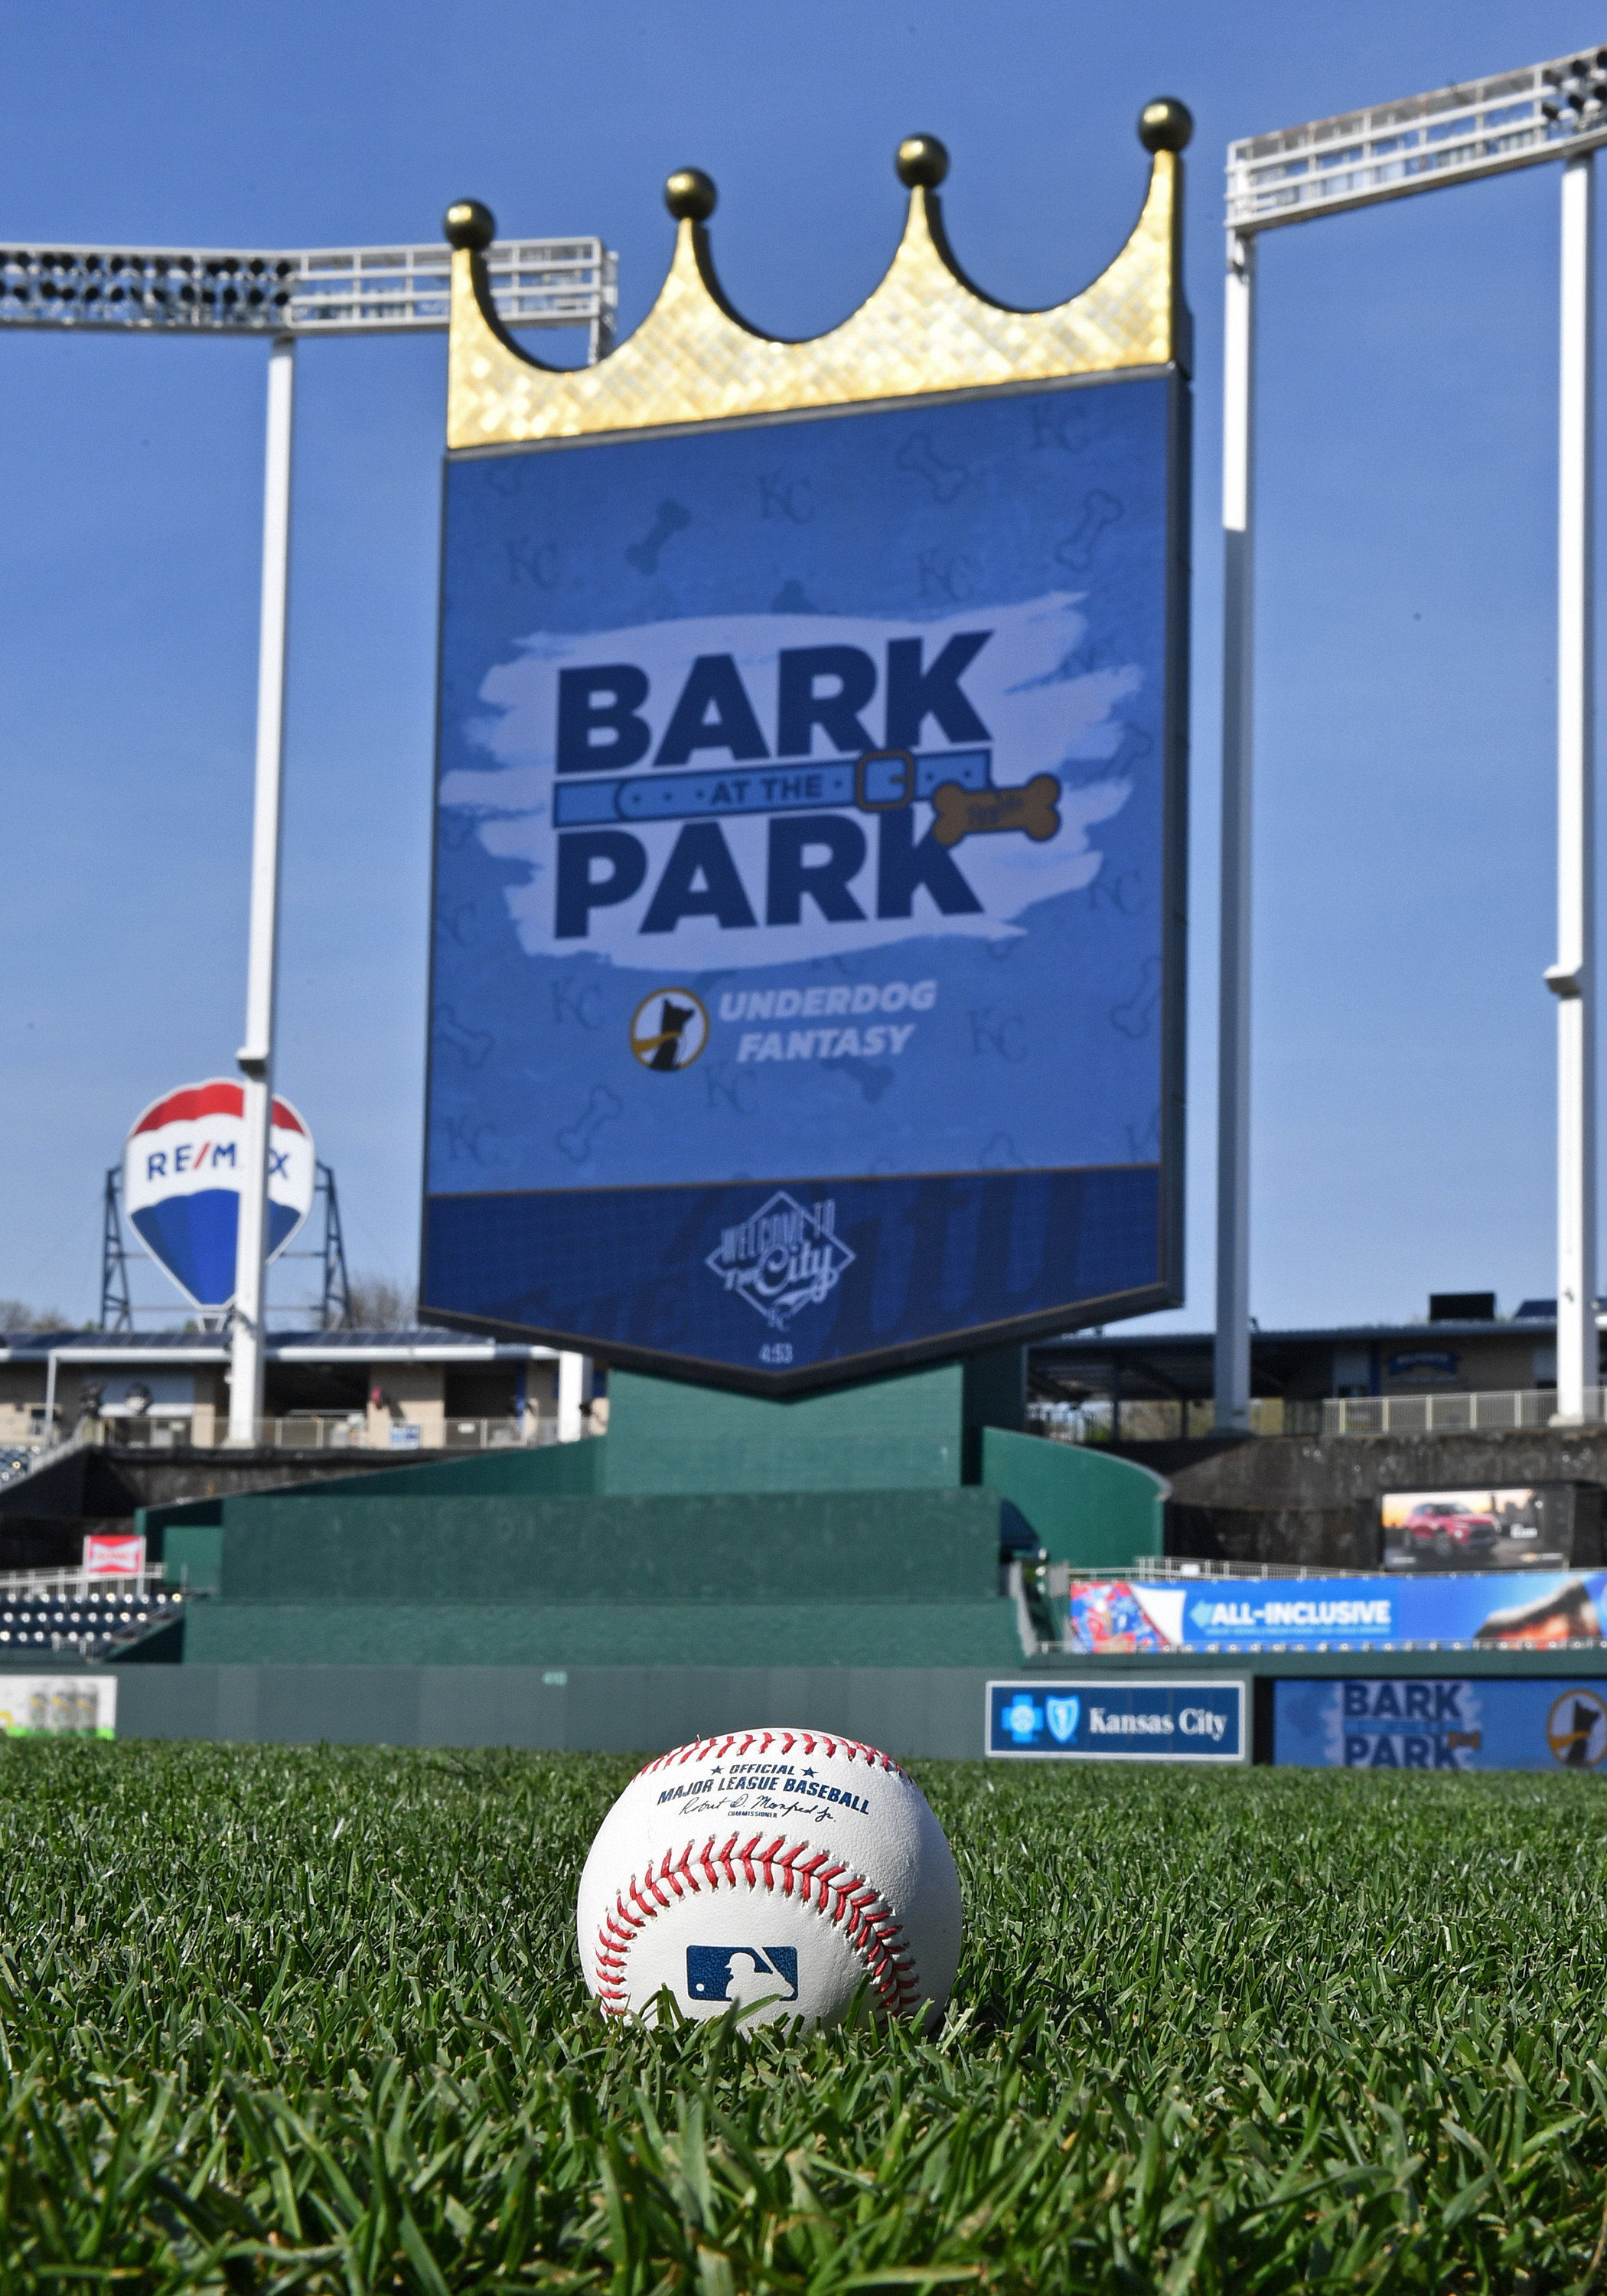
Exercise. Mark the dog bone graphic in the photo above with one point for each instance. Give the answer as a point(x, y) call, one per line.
point(1034, 809)
point(576, 1139)
point(643, 555)
point(473, 1044)
point(1075, 553)
point(918, 455)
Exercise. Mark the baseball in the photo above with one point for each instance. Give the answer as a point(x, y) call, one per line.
point(779, 1868)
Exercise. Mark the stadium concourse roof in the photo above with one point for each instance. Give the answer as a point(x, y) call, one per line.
point(1180, 1365)
point(426, 1345)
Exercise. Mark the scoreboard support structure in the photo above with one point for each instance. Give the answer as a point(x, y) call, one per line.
point(1556, 110)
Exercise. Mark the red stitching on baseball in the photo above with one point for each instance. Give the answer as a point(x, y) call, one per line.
point(870, 1926)
point(703, 1750)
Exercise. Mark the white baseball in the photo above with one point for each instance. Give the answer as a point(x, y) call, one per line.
point(782, 1868)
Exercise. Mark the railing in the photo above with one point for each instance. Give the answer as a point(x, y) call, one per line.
point(1452, 1415)
point(71, 1584)
point(315, 1431)
point(1178, 1567)
point(327, 1431)
point(1154, 1420)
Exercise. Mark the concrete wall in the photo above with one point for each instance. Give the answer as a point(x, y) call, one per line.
point(1336, 1471)
point(412, 1395)
point(936, 1712)
point(1314, 1500)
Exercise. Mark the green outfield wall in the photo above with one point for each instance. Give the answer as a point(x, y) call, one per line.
point(1086, 1507)
point(703, 1530)
point(718, 1547)
point(935, 1711)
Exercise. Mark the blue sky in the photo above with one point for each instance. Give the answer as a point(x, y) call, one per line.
point(1404, 1121)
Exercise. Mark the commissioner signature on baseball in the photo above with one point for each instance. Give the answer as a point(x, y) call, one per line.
point(806, 1787)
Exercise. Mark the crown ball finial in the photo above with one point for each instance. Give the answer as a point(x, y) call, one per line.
point(689, 195)
point(1165, 125)
point(469, 225)
point(921, 161)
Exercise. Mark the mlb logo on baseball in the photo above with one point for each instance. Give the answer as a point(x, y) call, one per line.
point(724, 1973)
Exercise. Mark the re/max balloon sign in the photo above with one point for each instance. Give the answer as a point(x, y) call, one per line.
point(181, 1182)
point(807, 986)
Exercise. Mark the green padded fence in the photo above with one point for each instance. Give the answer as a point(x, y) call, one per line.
point(891, 1434)
point(557, 1635)
point(718, 1547)
point(1085, 1506)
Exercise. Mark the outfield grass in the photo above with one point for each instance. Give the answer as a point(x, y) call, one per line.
point(288, 2018)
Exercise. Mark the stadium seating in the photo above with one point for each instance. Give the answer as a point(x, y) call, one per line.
point(98, 1624)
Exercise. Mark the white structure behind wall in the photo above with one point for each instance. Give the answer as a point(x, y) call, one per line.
point(1572, 976)
point(1238, 637)
point(256, 1054)
point(1556, 110)
point(574, 1393)
point(281, 295)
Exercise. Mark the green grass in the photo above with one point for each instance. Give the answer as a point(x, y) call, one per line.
point(284, 2018)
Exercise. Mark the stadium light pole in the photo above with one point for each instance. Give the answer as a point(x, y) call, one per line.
point(256, 1054)
point(1556, 110)
point(279, 295)
point(1231, 1375)
point(1572, 976)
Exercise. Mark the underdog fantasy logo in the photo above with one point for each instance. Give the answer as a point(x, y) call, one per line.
point(669, 1029)
point(784, 1258)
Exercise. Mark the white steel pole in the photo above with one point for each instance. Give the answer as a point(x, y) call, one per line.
point(574, 1391)
point(256, 1055)
point(1233, 1109)
point(1572, 975)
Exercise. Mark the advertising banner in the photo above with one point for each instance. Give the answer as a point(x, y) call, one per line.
point(1519, 1608)
point(807, 986)
point(57, 1705)
point(1441, 1723)
point(181, 1182)
point(1511, 1527)
point(113, 1555)
point(1105, 1718)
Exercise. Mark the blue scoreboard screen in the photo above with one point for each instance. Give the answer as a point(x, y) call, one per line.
point(807, 972)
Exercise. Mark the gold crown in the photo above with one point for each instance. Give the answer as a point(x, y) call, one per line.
point(925, 328)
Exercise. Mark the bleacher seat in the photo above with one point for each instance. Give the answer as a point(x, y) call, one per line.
point(87, 1626)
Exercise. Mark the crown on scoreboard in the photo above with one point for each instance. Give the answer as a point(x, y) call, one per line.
point(925, 328)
